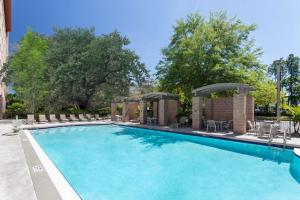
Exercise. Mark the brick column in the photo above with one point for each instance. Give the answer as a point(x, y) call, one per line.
point(197, 110)
point(143, 112)
point(113, 111)
point(239, 113)
point(163, 112)
point(125, 112)
point(250, 108)
point(155, 112)
point(173, 106)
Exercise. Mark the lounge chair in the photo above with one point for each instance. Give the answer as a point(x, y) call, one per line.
point(30, 119)
point(211, 124)
point(53, 118)
point(73, 118)
point(82, 117)
point(42, 118)
point(97, 117)
point(90, 117)
point(63, 118)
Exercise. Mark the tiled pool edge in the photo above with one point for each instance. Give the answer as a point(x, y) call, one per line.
point(63, 189)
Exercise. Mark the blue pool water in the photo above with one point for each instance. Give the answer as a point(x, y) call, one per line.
point(110, 162)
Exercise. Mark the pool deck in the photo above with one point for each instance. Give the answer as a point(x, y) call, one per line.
point(19, 181)
point(15, 182)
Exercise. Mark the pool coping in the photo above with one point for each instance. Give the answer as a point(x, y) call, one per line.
point(64, 188)
point(182, 132)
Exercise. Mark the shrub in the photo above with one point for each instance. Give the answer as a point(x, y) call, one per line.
point(16, 108)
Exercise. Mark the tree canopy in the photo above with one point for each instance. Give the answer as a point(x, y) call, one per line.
point(203, 52)
point(74, 67)
point(289, 75)
point(26, 68)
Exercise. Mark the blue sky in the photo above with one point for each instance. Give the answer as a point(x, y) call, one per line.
point(148, 23)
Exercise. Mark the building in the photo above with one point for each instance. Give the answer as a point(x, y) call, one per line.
point(5, 28)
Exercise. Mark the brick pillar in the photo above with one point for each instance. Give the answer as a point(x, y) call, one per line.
point(1, 106)
point(173, 106)
point(239, 113)
point(155, 111)
point(113, 111)
point(163, 112)
point(143, 112)
point(125, 112)
point(197, 110)
point(250, 108)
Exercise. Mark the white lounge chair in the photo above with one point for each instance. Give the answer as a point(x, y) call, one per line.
point(90, 117)
point(42, 118)
point(63, 118)
point(53, 118)
point(97, 117)
point(30, 119)
point(82, 117)
point(73, 118)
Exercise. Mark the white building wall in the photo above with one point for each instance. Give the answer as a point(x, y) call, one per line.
point(3, 55)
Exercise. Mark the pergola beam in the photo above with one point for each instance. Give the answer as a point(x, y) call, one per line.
point(207, 90)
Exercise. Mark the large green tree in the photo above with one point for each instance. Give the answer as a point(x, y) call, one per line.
point(265, 94)
point(26, 70)
point(82, 65)
point(205, 52)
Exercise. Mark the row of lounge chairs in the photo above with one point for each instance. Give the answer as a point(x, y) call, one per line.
point(63, 118)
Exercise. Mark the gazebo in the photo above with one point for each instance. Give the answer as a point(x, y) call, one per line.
point(165, 106)
point(129, 111)
point(238, 108)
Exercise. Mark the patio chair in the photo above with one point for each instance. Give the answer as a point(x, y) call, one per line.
point(182, 121)
point(73, 117)
point(251, 127)
point(81, 117)
point(118, 117)
point(53, 118)
point(42, 118)
point(63, 118)
point(211, 124)
point(265, 128)
point(30, 119)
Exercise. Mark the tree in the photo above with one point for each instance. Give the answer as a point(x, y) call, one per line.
point(83, 65)
point(294, 112)
point(206, 52)
point(26, 68)
point(265, 94)
point(292, 81)
point(289, 76)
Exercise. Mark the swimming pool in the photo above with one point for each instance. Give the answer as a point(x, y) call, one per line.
point(118, 162)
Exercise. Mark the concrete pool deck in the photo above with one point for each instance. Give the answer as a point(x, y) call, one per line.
point(18, 181)
point(15, 181)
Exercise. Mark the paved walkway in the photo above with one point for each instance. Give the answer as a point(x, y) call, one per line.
point(15, 181)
